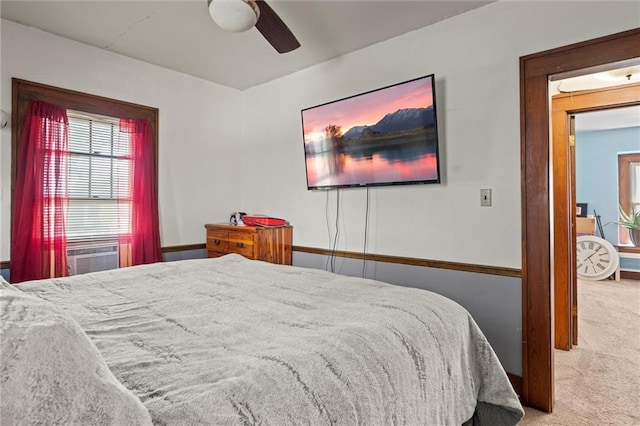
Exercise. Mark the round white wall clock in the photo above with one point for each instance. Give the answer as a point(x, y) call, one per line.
point(596, 257)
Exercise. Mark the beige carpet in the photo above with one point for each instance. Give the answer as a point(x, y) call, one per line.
point(598, 382)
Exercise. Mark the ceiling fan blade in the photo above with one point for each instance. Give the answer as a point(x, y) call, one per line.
point(275, 30)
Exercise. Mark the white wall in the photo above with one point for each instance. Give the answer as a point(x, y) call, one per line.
point(199, 131)
point(475, 57)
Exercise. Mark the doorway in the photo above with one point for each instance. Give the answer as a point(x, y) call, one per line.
point(564, 107)
point(537, 291)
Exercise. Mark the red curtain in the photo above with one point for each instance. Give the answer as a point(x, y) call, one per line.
point(144, 237)
point(38, 237)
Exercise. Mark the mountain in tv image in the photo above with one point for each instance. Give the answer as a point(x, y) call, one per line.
point(403, 120)
point(402, 147)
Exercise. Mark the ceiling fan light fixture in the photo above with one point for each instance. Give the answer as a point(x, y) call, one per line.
point(234, 15)
point(620, 75)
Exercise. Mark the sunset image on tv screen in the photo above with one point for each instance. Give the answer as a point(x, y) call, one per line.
point(383, 137)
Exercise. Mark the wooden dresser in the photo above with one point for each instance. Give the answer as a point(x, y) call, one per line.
point(253, 242)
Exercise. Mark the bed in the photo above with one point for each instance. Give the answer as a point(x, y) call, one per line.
point(231, 341)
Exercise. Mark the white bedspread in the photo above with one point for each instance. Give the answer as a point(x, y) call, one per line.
point(233, 341)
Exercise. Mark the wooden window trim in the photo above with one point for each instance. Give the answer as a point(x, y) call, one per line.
point(624, 189)
point(23, 92)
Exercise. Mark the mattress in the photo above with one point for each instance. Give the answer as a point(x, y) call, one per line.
point(231, 341)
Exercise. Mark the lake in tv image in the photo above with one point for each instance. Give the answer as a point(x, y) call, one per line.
point(387, 136)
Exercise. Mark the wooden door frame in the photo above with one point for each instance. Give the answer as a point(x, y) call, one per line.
point(562, 107)
point(537, 296)
point(563, 236)
point(573, 283)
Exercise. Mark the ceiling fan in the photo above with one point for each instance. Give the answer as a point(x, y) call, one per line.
point(242, 15)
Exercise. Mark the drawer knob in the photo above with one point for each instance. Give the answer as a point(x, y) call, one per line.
point(216, 242)
point(239, 245)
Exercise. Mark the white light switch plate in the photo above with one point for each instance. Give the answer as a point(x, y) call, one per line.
point(485, 197)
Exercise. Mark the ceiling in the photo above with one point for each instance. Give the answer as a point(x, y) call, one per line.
point(180, 35)
point(607, 119)
point(611, 75)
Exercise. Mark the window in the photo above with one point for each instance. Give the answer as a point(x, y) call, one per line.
point(628, 187)
point(99, 175)
point(99, 183)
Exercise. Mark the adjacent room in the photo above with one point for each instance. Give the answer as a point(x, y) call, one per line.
point(315, 211)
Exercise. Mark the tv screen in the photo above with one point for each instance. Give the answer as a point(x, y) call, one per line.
point(387, 136)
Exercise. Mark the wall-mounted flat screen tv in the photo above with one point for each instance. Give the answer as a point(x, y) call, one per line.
point(387, 136)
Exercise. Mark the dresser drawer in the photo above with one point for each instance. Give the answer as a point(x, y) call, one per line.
point(213, 253)
point(218, 246)
point(242, 243)
point(243, 237)
point(217, 235)
point(217, 243)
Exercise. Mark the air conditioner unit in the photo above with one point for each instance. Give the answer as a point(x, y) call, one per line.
point(92, 258)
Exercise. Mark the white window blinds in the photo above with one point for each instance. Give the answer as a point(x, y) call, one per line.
point(99, 178)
